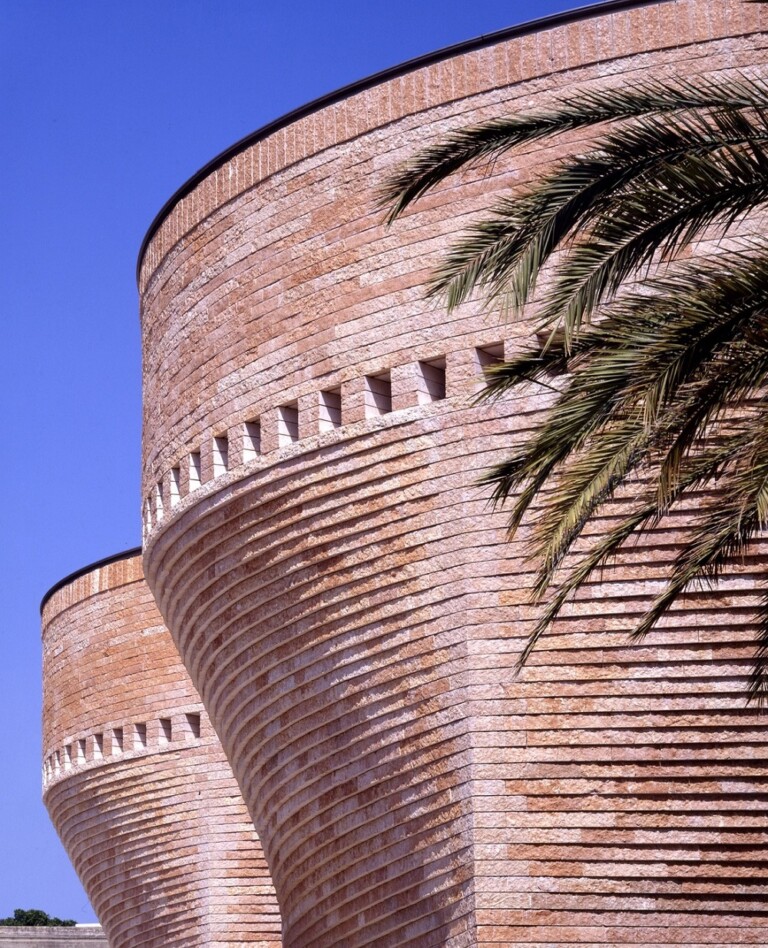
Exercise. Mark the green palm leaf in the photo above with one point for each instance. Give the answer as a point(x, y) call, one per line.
point(665, 382)
point(503, 253)
point(467, 147)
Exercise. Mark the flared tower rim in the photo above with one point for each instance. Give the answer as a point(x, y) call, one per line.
point(90, 568)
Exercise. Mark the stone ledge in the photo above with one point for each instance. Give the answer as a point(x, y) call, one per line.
point(44, 937)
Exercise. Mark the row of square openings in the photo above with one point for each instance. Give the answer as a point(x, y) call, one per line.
point(431, 387)
point(103, 746)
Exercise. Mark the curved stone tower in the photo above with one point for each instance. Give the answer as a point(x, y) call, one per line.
point(341, 595)
point(135, 779)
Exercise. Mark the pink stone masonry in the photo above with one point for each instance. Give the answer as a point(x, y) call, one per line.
point(135, 779)
point(344, 600)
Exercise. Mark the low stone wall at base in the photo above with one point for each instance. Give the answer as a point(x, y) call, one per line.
point(43, 937)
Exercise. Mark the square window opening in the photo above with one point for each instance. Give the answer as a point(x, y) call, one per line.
point(431, 381)
point(330, 409)
point(288, 424)
point(195, 469)
point(81, 751)
point(98, 746)
point(251, 440)
point(158, 501)
point(166, 731)
point(546, 338)
point(378, 395)
point(175, 485)
point(220, 455)
point(117, 740)
point(139, 736)
point(486, 357)
point(193, 726)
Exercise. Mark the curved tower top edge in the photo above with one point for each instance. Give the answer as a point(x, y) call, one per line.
point(89, 568)
point(601, 8)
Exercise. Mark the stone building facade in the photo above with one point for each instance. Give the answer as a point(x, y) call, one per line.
point(342, 598)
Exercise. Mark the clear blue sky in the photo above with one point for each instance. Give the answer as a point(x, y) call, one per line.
point(107, 107)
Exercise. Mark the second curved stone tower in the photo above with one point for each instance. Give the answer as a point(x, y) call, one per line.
point(135, 780)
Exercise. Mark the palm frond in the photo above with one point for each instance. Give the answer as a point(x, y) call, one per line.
point(649, 223)
point(665, 382)
point(504, 252)
point(724, 531)
point(758, 679)
point(645, 349)
point(646, 514)
point(647, 383)
point(485, 142)
point(589, 480)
